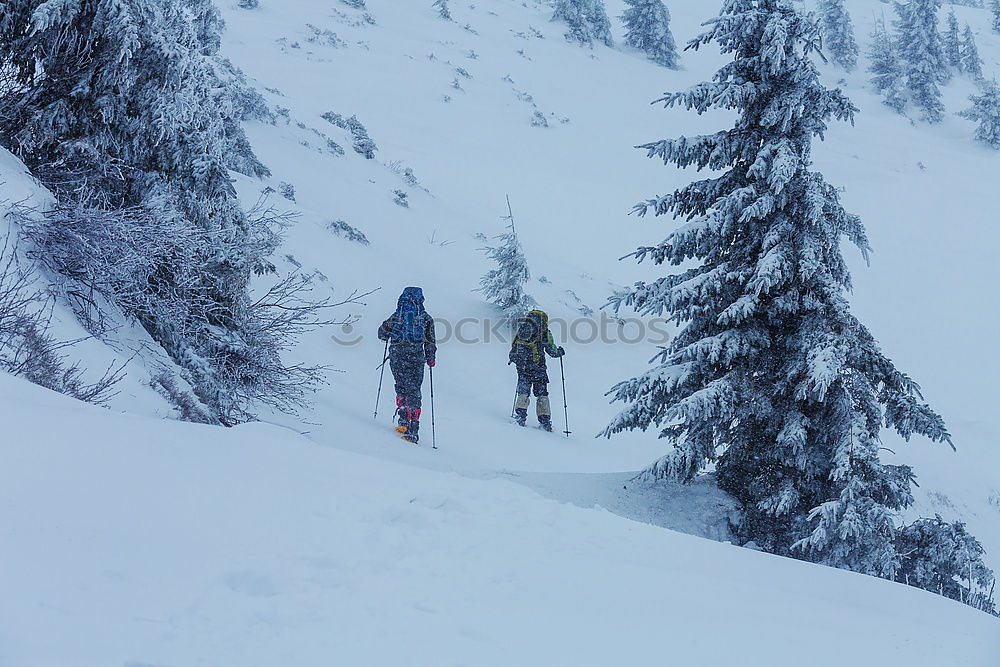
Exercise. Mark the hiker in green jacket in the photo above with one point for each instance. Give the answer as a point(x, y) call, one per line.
point(527, 353)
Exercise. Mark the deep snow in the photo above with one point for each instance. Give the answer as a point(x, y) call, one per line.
point(162, 543)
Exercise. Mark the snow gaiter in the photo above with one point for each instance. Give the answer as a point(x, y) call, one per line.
point(521, 409)
point(542, 407)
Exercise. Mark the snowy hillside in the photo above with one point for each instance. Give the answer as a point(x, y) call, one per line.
point(323, 538)
point(923, 193)
point(174, 544)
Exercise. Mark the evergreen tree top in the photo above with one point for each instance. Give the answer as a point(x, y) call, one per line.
point(772, 83)
point(647, 25)
point(838, 33)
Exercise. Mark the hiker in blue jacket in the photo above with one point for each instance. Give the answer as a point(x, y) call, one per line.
point(410, 332)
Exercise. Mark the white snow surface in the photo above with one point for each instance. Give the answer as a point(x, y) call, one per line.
point(133, 540)
point(164, 543)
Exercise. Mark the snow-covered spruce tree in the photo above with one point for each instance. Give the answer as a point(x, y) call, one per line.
point(838, 34)
point(972, 64)
point(587, 21)
point(921, 51)
point(986, 111)
point(952, 42)
point(442, 7)
point(771, 378)
point(995, 8)
point(125, 104)
point(886, 69)
point(504, 285)
point(647, 25)
point(944, 557)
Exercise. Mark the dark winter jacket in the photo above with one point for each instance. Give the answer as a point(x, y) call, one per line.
point(410, 330)
point(533, 341)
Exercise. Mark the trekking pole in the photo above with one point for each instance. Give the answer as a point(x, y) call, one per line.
point(433, 433)
point(378, 397)
point(513, 406)
point(562, 372)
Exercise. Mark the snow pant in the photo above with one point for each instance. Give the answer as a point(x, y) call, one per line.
point(407, 366)
point(533, 377)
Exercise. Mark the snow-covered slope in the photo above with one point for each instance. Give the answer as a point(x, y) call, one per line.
point(924, 193)
point(155, 543)
point(128, 347)
point(148, 543)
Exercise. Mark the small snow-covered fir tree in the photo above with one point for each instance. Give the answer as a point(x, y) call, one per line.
point(504, 285)
point(587, 20)
point(364, 145)
point(952, 42)
point(972, 64)
point(922, 54)
point(442, 7)
point(986, 111)
point(886, 70)
point(995, 8)
point(838, 34)
point(647, 25)
point(771, 378)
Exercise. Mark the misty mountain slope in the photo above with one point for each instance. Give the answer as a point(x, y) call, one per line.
point(922, 191)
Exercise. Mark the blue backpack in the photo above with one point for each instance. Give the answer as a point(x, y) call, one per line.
point(410, 316)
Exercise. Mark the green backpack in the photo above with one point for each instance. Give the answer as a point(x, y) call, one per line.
point(532, 334)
